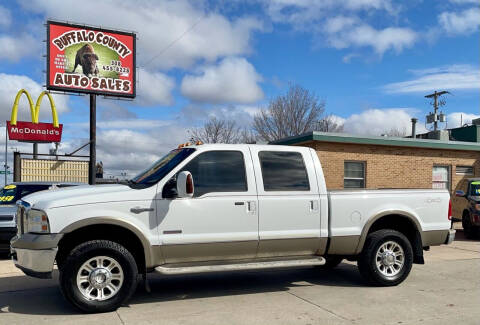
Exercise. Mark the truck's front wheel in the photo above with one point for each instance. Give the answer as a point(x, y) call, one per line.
point(386, 259)
point(98, 276)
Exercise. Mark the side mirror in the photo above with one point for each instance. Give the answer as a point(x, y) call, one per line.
point(185, 186)
point(460, 193)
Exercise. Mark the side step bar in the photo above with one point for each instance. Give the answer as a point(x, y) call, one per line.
point(169, 270)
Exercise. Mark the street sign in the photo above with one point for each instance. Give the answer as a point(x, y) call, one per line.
point(2, 172)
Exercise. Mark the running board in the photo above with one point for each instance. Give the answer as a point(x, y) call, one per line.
point(168, 270)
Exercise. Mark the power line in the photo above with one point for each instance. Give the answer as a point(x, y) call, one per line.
point(173, 42)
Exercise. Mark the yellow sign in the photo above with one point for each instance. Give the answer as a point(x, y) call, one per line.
point(10, 187)
point(34, 110)
point(6, 198)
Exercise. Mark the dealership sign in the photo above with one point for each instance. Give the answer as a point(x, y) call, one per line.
point(34, 131)
point(90, 60)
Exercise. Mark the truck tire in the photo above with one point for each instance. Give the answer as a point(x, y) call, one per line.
point(331, 262)
point(386, 259)
point(468, 228)
point(98, 276)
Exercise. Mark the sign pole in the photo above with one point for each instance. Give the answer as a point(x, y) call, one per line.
point(6, 156)
point(35, 150)
point(93, 135)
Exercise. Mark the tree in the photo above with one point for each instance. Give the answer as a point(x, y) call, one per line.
point(329, 124)
point(395, 132)
point(217, 131)
point(296, 112)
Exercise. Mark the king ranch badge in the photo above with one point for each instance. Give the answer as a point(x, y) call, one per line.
point(90, 60)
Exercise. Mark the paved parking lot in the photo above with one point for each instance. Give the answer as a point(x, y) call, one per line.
point(445, 290)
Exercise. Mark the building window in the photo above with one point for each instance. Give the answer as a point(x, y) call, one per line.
point(441, 177)
point(354, 174)
point(283, 171)
point(464, 170)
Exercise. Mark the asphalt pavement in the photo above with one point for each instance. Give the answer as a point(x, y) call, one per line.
point(445, 290)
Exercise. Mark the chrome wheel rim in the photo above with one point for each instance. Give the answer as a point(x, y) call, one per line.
point(390, 258)
point(100, 278)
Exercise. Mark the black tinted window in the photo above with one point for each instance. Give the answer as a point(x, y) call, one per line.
point(218, 171)
point(283, 171)
point(29, 189)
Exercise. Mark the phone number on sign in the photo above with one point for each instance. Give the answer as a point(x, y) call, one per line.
point(116, 66)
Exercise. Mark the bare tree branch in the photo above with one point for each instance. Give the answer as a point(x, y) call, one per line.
point(395, 132)
point(217, 131)
point(328, 124)
point(294, 113)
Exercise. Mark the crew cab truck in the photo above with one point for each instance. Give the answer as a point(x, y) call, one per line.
point(208, 208)
point(471, 212)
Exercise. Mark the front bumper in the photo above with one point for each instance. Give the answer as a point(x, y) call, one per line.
point(450, 237)
point(34, 254)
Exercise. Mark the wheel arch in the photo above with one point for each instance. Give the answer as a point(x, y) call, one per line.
point(401, 221)
point(125, 233)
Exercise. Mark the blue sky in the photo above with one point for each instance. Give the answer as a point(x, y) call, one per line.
point(372, 61)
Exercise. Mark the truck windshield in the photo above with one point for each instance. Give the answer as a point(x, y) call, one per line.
point(8, 195)
point(161, 167)
point(475, 189)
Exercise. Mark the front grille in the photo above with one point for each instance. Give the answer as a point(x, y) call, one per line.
point(6, 218)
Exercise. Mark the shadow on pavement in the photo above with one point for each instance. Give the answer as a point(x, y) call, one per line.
point(460, 236)
point(45, 298)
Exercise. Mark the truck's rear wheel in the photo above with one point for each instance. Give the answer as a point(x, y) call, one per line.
point(386, 259)
point(98, 276)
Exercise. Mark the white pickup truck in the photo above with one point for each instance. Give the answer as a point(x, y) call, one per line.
point(207, 208)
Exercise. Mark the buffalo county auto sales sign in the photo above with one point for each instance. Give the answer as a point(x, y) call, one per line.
point(90, 60)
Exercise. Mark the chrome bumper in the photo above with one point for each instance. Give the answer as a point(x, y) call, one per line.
point(35, 254)
point(450, 237)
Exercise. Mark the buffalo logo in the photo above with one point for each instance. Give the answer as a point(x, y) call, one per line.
point(87, 58)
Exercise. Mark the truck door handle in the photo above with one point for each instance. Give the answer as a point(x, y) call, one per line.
point(251, 206)
point(313, 205)
point(138, 210)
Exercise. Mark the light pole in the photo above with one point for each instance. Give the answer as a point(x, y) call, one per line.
point(6, 144)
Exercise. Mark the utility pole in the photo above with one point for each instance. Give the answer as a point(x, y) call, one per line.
point(434, 117)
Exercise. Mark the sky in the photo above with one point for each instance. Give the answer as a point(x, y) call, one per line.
point(371, 61)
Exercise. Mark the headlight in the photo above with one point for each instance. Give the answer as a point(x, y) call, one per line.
point(36, 221)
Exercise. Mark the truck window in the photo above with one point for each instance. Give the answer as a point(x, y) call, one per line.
point(283, 171)
point(218, 171)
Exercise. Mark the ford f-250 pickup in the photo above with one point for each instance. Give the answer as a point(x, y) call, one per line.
point(207, 208)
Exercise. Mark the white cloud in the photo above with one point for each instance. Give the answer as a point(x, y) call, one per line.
point(380, 121)
point(155, 88)
point(129, 124)
point(158, 24)
point(11, 84)
point(464, 22)
point(454, 77)
point(13, 48)
point(5, 17)
point(344, 32)
point(457, 119)
point(233, 80)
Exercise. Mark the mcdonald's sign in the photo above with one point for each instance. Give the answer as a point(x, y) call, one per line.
point(34, 131)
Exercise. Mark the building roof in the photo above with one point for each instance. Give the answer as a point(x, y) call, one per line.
point(376, 140)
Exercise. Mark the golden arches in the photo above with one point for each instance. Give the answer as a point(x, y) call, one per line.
point(34, 110)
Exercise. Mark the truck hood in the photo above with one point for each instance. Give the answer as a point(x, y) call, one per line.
point(78, 195)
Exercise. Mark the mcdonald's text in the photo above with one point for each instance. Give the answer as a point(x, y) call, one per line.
point(34, 132)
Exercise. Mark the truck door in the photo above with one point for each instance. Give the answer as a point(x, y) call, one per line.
point(288, 201)
point(221, 221)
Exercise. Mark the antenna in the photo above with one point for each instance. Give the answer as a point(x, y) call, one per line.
point(435, 117)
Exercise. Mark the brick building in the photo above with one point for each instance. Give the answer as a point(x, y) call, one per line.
point(386, 162)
